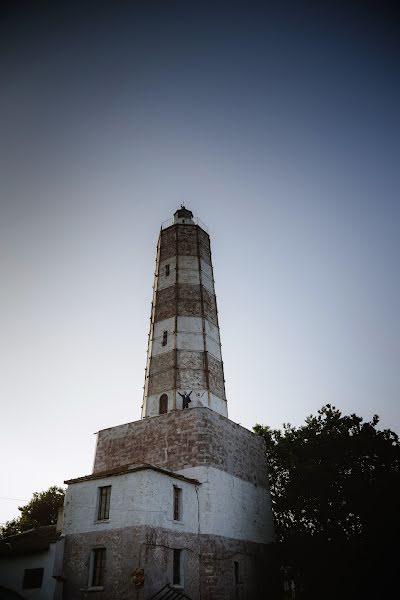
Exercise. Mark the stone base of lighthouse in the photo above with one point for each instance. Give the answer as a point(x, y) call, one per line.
point(208, 564)
point(187, 487)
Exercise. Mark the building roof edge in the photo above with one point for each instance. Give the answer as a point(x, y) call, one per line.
point(129, 468)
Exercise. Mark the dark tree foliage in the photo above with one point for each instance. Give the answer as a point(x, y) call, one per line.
point(42, 509)
point(335, 489)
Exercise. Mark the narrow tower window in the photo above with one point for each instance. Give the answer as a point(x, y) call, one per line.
point(177, 503)
point(165, 338)
point(104, 503)
point(166, 270)
point(163, 407)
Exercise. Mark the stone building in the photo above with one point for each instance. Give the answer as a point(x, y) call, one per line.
point(177, 504)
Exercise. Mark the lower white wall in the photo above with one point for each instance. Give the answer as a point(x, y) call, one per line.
point(231, 507)
point(12, 573)
point(138, 498)
point(222, 505)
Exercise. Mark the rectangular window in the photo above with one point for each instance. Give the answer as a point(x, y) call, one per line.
point(177, 571)
point(165, 338)
point(167, 270)
point(32, 579)
point(98, 563)
point(104, 503)
point(177, 503)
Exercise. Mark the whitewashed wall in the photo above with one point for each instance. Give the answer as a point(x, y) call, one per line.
point(12, 573)
point(188, 272)
point(138, 498)
point(189, 336)
point(231, 507)
point(226, 505)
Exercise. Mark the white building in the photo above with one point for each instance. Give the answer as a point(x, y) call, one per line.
point(31, 565)
point(180, 498)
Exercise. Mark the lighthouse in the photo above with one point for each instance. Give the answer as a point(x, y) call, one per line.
point(177, 505)
point(184, 350)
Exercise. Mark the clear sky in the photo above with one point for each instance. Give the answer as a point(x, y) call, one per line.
point(278, 125)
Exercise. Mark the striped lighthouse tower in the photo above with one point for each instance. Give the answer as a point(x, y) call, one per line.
point(184, 351)
point(178, 500)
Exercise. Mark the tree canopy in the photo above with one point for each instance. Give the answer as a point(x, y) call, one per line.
point(42, 509)
point(335, 490)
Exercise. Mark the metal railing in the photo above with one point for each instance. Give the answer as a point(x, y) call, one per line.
point(195, 220)
point(171, 593)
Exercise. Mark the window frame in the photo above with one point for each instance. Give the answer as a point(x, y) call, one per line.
point(177, 503)
point(98, 558)
point(177, 568)
point(164, 399)
point(103, 504)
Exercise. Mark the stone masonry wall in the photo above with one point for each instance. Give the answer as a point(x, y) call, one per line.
point(208, 565)
point(182, 240)
point(188, 369)
point(186, 300)
point(182, 439)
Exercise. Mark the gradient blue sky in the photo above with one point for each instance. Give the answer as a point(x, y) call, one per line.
point(278, 125)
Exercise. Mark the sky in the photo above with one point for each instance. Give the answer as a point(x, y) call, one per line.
point(277, 124)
